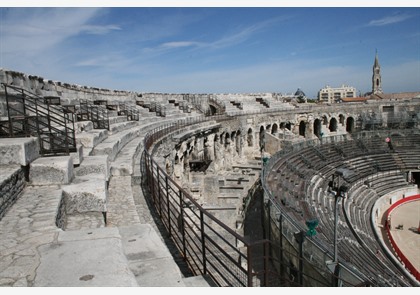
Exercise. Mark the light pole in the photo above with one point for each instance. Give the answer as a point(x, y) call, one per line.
point(339, 192)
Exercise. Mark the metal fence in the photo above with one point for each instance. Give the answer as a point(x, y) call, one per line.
point(207, 245)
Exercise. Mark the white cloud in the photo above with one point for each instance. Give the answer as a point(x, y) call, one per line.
point(388, 20)
point(234, 38)
point(178, 44)
point(99, 30)
point(32, 31)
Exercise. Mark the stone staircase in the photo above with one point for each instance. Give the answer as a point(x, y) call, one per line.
point(83, 213)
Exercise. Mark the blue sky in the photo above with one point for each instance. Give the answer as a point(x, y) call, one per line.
point(214, 49)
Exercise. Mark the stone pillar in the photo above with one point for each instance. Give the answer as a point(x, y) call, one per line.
point(240, 146)
point(228, 154)
point(209, 148)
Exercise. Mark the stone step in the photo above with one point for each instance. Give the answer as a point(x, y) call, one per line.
point(78, 155)
point(94, 165)
point(85, 194)
point(18, 151)
point(83, 126)
point(115, 142)
point(117, 119)
point(51, 171)
point(91, 139)
point(118, 127)
point(123, 165)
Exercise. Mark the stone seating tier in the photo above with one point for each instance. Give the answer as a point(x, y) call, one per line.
point(51, 171)
point(18, 151)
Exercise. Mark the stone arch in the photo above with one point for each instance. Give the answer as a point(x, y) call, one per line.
point(350, 125)
point(262, 130)
point(250, 137)
point(282, 125)
point(227, 138)
point(268, 128)
point(274, 129)
point(333, 125)
point(288, 126)
point(212, 110)
point(317, 128)
point(302, 128)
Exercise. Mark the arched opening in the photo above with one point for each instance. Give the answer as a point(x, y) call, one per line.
point(325, 120)
point(289, 126)
point(212, 110)
point(350, 125)
point(317, 128)
point(227, 139)
point(302, 128)
point(274, 129)
point(333, 125)
point(250, 137)
point(262, 138)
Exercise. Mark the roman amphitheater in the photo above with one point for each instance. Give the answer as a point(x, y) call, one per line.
point(101, 187)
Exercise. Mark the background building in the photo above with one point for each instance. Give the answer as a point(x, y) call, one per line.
point(329, 94)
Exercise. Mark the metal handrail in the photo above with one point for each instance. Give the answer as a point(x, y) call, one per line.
point(53, 125)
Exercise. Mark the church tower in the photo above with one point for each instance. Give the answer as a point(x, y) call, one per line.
point(376, 77)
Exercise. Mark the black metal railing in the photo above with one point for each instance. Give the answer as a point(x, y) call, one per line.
point(207, 245)
point(130, 111)
point(97, 113)
point(29, 115)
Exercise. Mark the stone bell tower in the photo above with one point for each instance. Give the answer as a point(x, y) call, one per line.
point(376, 77)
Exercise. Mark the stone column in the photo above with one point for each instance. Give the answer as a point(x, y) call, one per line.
point(209, 148)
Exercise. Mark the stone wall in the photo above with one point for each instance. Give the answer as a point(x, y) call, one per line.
point(11, 185)
point(69, 93)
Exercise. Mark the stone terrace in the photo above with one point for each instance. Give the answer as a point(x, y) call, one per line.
point(54, 231)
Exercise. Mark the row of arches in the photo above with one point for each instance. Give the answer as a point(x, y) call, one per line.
point(305, 128)
point(223, 146)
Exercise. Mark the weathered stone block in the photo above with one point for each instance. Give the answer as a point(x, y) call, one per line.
point(94, 165)
point(20, 151)
point(51, 170)
point(85, 197)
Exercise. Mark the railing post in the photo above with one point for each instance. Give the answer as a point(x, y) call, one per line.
point(203, 242)
point(8, 112)
point(159, 192)
point(281, 266)
point(266, 261)
point(152, 180)
point(181, 224)
point(169, 207)
point(249, 270)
